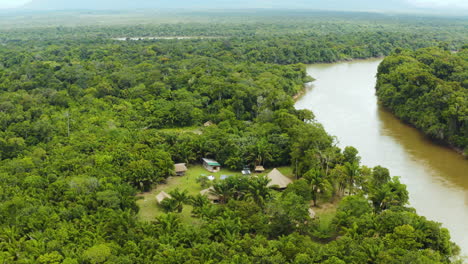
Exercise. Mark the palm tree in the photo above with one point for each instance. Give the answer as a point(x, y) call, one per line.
point(198, 202)
point(352, 173)
point(222, 191)
point(317, 182)
point(168, 222)
point(258, 190)
point(181, 197)
point(169, 205)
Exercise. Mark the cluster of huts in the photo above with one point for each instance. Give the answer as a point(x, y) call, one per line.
point(277, 179)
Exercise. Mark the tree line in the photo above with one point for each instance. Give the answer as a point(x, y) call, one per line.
point(428, 88)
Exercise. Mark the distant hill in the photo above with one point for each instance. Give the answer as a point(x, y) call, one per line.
point(133, 4)
point(365, 5)
point(431, 6)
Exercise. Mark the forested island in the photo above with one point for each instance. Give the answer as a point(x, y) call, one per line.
point(88, 122)
point(428, 88)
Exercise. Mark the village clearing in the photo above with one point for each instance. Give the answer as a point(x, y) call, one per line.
point(149, 208)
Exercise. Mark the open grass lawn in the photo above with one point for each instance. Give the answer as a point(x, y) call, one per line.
point(324, 213)
point(191, 129)
point(287, 171)
point(149, 208)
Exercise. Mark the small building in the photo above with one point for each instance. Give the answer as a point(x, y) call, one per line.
point(161, 196)
point(208, 193)
point(208, 123)
point(259, 169)
point(211, 165)
point(246, 171)
point(312, 213)
point(180, 169)
point(278, 180)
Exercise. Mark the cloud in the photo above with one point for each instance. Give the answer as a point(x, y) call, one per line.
point(12, 3)
point(452, 4)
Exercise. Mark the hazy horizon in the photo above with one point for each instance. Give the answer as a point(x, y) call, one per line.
point(432, 6)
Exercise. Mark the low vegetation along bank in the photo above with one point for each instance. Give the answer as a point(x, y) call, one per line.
point(428, 88)
point(88, 123)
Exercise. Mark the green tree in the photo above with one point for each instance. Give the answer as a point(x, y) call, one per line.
point(317, 183)
point(181, 197)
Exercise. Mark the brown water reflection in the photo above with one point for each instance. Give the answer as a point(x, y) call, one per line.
point(344, 101)
point(447, 165)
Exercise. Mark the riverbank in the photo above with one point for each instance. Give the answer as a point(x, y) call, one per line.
point(301, 93)
point(430, 99)
point(343, 100)
point(438, 142)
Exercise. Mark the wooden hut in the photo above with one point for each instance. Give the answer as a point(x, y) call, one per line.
point(161, 196)
point(208, 123)
point(278, 179)
point(180, 169)
point(211, 165)
point(209, 195)
point(259, 169)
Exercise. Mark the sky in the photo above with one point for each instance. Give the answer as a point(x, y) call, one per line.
point(450, 4)
point(12, 3)
point(441, 3)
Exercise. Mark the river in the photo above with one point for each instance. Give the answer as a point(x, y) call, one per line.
point(343, 99)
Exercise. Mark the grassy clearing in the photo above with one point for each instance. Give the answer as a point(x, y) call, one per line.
point(287, 171)
point(191, 129)
point(149, 208)
point(324, 214)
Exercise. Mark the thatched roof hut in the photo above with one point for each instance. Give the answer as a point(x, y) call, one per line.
point(162, 195)
point(180, 169)
point(207, 193)
point(208, 123)
point(259, 169)
point(278, 179)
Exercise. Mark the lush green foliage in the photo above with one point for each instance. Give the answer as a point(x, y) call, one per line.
point(429, 89)
point(87, 121)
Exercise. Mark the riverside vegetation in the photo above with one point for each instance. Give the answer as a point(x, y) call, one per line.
point(87, 122)
point(429, 89)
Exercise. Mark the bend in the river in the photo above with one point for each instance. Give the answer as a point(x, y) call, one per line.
point(343, 100)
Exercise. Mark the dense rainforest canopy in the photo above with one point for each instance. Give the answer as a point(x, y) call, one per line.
point(87, 122)
point(429, 89)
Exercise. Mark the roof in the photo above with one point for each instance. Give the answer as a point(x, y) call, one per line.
point(246, 172)
point(208, 123)
point(207, 193)
point(311, 213)
point(180, 167)
point(211, 162)
point(259, 168)
point(162, 195)
point(277, 178)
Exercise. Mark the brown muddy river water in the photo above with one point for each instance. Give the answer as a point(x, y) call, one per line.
point(343, 100)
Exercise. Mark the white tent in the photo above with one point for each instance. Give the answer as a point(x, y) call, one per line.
point(278, 179)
